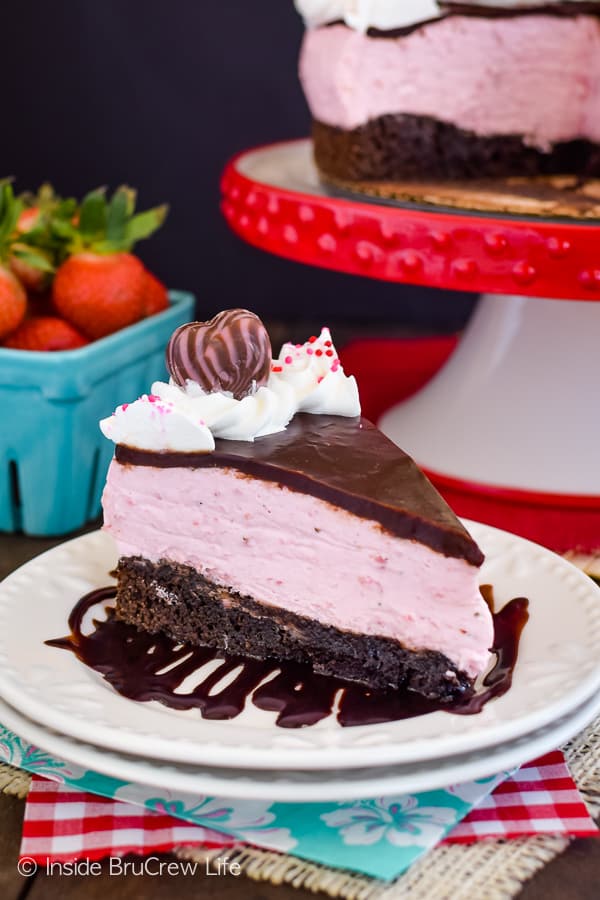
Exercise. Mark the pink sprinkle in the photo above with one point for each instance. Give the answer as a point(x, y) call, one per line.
point(310, 351)
point(288, 360)
point(124, 406)
point(298, 346)
point(152, 398)
point(320, 379)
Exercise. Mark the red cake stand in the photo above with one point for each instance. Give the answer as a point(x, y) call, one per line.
point(509, 429)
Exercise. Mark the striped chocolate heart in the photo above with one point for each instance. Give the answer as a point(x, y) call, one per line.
point(232, 353)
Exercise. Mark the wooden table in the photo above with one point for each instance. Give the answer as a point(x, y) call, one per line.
point(573, 876)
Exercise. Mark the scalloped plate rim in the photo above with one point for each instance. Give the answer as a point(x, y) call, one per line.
point(256, 784)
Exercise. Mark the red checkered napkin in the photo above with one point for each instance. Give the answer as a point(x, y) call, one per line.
point(540, 798)
point(62, 824)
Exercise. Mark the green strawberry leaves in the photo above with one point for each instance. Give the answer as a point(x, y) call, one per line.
point(37, 259)
point(119, 210)
point(44, 242)
point(92, 217)
point(10, 210)
point(146, 223)
point(61, 227)
point(113, 226)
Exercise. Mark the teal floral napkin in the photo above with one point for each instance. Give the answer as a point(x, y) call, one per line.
point(380, 837)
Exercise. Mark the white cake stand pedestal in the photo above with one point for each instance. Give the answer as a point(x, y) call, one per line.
point(507, 408)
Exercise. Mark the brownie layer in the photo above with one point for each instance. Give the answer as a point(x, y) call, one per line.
point(410, 146)
point(178, 601)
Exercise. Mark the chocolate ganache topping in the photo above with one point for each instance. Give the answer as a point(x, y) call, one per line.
point(345, 461)
point(231, 352)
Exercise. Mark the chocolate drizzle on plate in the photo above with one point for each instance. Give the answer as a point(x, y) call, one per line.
point(145, 667)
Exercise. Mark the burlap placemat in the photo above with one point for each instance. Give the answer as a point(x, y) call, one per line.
point(488, 870)
point(14, 781)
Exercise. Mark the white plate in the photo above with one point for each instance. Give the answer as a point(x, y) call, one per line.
point(305, 787)
point(558, 670)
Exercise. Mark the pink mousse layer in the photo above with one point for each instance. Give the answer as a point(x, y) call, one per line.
point(536, 76)
point(294, 551)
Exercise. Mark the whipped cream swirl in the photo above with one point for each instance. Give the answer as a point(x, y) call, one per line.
point(315, 374)
point(305, 378)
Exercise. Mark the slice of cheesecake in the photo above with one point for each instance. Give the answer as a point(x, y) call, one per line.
point(322, 542)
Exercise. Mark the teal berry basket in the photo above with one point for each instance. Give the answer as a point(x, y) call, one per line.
point(53, 456)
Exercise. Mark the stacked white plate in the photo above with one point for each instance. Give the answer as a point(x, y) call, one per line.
point(54, 701)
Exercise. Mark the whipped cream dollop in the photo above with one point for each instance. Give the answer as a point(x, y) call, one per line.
point(305, 378)
point(153, 423)
point(315, 374)
point(388, 15)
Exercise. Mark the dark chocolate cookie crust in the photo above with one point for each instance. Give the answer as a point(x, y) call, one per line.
point(176, 600)
point(402, 146)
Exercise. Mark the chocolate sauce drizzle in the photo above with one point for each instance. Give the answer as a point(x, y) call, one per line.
point(145, 667)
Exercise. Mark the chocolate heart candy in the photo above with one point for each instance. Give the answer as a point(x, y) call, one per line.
point(230, 353)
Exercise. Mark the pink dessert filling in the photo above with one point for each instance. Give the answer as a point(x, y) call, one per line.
point(536, 76)
point(297, 552)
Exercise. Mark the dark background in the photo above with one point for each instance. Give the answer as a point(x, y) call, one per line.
point(159, 94)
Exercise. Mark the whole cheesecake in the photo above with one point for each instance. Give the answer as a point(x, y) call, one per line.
point(257, 512)
point(419, 89)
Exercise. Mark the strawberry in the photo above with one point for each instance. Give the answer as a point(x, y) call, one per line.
point(33, 279)
point(13, 299)
point(156, 297)
point(13, 302)
point(100, 294)
point(101, 287)
point(40, 245)
point(28, 219)
point(45, 333)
